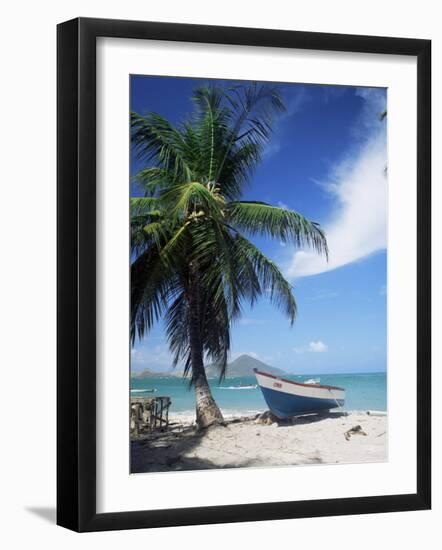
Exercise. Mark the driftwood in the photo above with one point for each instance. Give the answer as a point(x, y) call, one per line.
point(356, 430)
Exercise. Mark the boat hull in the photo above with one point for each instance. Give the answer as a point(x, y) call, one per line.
point(286, 398)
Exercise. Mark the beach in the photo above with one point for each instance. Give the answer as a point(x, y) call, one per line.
point(261, 441)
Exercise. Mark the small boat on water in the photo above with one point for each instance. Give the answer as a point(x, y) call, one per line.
point(286, 398)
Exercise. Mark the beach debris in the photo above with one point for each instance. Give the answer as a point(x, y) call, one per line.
point(266, 418)
point(240, 419)
point(356, 430)
point(148, 414)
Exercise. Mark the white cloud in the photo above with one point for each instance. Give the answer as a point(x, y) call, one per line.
point(313, 347)
point(359, 185)
point(317, 347)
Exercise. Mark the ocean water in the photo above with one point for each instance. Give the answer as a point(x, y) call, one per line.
point(363, 392)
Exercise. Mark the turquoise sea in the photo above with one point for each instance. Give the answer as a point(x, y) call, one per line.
point(363, 392)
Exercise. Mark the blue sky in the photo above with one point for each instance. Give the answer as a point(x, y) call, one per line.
point(326, 159)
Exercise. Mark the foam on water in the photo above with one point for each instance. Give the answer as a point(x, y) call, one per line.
point(238, 387)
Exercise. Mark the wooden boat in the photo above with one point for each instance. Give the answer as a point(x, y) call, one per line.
point(286, 398)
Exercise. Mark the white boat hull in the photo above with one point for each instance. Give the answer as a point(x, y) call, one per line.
point(286, 398)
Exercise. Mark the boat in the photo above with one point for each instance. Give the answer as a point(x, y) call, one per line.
point(286, 398)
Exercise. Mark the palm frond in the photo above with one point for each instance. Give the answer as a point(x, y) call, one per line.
point(288, 226)
point(154, 179)
point(152, 286)
point(177, 330)
point(271, 279)
point(252, 112)
point(156, 140)
point(144, 206)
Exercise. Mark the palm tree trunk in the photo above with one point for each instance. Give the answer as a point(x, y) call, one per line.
point(207, 411)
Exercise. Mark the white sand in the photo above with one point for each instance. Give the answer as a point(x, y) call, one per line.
point(244, 443)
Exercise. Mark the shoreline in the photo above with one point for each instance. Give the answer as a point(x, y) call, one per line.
point(259, 441)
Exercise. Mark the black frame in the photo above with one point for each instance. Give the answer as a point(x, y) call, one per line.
point(76, 272)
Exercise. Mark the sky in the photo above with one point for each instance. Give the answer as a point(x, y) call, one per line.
point(326, 159)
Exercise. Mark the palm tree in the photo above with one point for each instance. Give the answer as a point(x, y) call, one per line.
point(193, 264)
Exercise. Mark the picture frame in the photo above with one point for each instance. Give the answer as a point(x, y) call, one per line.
point(77, 285)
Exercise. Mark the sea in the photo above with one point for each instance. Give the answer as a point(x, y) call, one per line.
point(241, 397)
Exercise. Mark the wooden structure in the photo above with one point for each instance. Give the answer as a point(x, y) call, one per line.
point(149, 413)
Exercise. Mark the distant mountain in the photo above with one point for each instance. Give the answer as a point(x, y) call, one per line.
point(146, 373)
point(243, 366)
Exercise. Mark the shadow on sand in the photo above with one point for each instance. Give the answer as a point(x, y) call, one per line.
point(311, 418)
point(168, 452)
point(177, 449)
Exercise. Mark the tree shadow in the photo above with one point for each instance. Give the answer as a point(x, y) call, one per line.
point(45, 512)
point(166, 452)
point(171, 451)
point(311, 418)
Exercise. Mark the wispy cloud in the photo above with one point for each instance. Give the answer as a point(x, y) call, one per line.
point(330, 93)
point(248, 321)
point(298, 100)
point(323, 295)
point(294, 105)
point(157, 357)
point(272, 148)
point(359, 185)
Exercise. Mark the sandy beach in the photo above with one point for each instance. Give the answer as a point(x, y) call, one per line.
point(331, 438)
